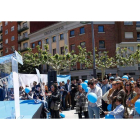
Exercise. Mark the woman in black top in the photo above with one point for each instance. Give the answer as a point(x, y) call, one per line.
point(55, 102)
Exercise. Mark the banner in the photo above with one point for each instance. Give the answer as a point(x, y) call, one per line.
point(64, 78)
point(38, 75)
point(16, 87)
point(19, 57)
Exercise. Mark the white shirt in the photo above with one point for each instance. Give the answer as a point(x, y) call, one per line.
point(98, 91)
point(69, 87)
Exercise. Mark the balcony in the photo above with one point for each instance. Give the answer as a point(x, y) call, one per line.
point(138, 26)
point(21, 29)
point(1, 47)
point(1, 38)
point(22, 49)
point(22, 38)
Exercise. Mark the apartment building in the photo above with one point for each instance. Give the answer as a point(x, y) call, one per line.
point(128, 33)
point(107, 37)
point(74, 34)
point(14, 35)
point(1, 40)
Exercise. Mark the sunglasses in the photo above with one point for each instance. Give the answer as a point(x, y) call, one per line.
point(113, 84)
point(117, 83)
point(127, 85)
point(51, 87)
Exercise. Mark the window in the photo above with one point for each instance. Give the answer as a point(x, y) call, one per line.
point(82, 30)
point(25, 34)
point(6, 41)
point(62, 50)
point(128, 23)
point(82, 44)
point(6, 32)
point(128, 35)
point(100, 28)
point(39, 43)
point(54, 38)
point(101, 44)
point(6, 23)
point(25, 24)
point(12, 38)
point(12, 28)
point(6, 50)
point(13, 48)
point(73, 47)
point(2, 53)
point(54, 51)
point(25, 45)
point(61, 36)
point(71, 33)
point(47, 41)
point(33, 45)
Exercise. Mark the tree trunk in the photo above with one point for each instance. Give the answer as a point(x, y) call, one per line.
point(103, 72)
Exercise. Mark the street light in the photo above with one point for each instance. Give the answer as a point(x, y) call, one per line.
point(92, 31)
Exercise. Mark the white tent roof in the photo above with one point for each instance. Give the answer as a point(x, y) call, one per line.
point(7, 58)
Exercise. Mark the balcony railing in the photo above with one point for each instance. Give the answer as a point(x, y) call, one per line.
point(23, 38)
point(1, 38)
point(1, 47)
point(21, 29)
point(22, 49)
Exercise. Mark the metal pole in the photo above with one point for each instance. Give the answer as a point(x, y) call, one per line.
point(94, 66)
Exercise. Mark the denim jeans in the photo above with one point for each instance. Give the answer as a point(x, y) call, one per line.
point(45, 104)
point(63, 101)
point(94, 110)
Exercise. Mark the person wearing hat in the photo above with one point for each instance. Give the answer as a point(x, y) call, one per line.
point(111, 79)
point(118, 92)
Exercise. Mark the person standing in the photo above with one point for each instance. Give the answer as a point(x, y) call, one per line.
point(68, 96)
point(94, 108)
point(5, 90)
point(105, 88)
point(80, 82)
point(130, 94)
point(117, 77)
point(62, 91)
point(74, 87)
point(118, 92)
point(55, 101)
point(81, 102)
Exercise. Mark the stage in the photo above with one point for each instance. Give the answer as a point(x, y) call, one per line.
point(28, 109)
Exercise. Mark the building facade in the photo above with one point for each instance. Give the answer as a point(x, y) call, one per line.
point(74, 34)
point(107, 37)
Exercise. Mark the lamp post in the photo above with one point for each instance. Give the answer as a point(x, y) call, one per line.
point(92, 31)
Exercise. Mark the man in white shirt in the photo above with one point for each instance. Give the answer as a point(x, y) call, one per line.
point(94, 108)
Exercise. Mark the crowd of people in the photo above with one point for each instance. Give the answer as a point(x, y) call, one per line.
point(119, 93)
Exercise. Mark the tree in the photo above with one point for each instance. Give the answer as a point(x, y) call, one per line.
point(57, 62)
point(103, 60)
point(135, 57)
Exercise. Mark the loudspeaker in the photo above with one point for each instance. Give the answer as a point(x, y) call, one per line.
point(52, 77)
